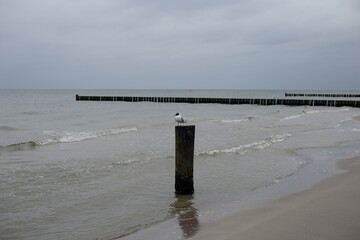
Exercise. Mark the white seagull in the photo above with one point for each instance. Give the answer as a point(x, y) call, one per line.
point(179, 119)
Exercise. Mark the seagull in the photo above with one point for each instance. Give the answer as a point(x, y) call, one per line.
point(179, 119)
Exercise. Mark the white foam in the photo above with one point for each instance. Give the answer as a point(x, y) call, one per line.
point(234, 121)
point(313, 112)
point(328, 110)
point(291, 117)
point(244, 149)
point(127, 162)
point(76, 136)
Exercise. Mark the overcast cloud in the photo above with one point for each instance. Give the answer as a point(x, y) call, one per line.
point(257, 44)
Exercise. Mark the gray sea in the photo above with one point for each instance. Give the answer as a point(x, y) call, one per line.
point(105, 170)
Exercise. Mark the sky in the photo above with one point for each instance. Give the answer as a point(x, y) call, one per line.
point(165, 44)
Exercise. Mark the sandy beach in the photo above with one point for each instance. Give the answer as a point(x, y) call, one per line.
point(328, 210)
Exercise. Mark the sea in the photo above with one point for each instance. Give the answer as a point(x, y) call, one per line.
point(105, 170)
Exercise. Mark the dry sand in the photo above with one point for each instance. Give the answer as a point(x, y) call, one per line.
point(328, 210)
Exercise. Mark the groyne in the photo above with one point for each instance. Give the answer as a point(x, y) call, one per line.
point(328, 95)
point(195, 100)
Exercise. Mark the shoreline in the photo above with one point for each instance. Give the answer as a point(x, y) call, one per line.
point(327, 165)
point(327, 210)
point(194, 223)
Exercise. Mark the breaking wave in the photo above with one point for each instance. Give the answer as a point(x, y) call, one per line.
point(76, 136)
point(328, 110)
point(66, 137)
point(19, 146)
point(291, 117)
point(313, 112)
point(234, 121)
point(243, 149)
point(127, 162)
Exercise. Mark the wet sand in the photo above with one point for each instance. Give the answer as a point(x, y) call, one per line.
point(357, 118)
point(328, 210)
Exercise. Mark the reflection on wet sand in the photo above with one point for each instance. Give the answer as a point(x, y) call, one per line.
point(186, 214)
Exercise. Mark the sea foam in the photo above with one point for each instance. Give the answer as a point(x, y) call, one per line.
point(78, 136)
point(245, 148)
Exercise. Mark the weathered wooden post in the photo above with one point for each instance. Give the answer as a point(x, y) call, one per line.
point(184, 159)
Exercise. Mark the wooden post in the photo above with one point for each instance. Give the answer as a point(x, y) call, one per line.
point(184, 159)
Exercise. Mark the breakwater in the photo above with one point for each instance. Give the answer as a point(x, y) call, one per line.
point(195, 100)
point(328, 95)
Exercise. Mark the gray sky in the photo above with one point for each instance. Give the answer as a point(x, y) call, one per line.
point(206, 44)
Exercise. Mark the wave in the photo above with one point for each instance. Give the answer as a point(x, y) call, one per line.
point(29, 113)
point(291, 117)
point(313, 112)
point(66, 137)
point(244, 149)
point(19, 146)
point(278, 179)
point(328, 110)
point(127, 162)
point(234, 121)
point(76, 136)
point(8, 128)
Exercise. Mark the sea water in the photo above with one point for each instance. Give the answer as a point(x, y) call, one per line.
point(105, 170)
